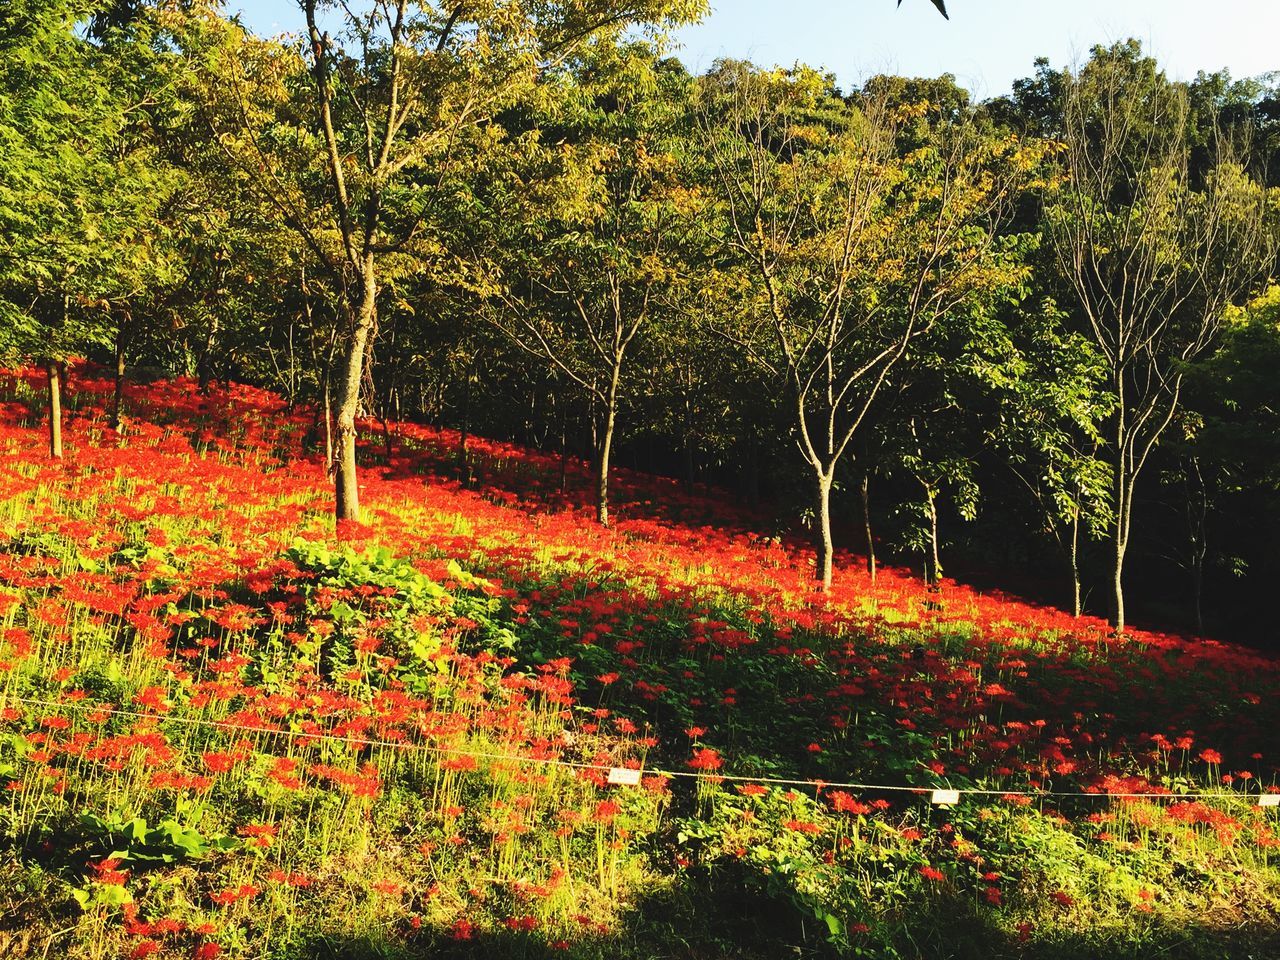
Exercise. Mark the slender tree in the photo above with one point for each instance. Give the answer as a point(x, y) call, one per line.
point(75, 201)
point(390, 103)
point(1151, 261)
point(854, 249)
point(596, 261)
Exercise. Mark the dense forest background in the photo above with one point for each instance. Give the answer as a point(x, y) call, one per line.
point(1029, 342)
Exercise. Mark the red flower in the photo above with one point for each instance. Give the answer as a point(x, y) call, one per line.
point(843, 802)
point(606, 810)
point(802, 826)
point(217, 762)
point(706, 759)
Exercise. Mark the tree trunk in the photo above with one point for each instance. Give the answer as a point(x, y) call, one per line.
point(606, 446)
point(380, 405)
point(54, 375)
point(1076, 606)
point(865, 490)
point(328, 425)
point(935, 576)
point(464, 465)
point(204, 365)
point(117, 402)
point(1122, 486)
point(1197, 509)
point(386, 437)
point(564, 452)
point(346, 482)
point(825, 548)
point(1118, 583)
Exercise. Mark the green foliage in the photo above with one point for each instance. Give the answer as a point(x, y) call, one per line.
point(75, 202)
point(135, 842)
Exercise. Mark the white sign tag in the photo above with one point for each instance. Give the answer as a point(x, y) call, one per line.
point(624, 776)
point(1269, 800)
point(945, 798)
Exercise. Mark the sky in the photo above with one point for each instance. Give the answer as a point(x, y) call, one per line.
point(987, 44)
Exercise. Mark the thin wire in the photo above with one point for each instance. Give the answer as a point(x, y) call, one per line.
point(582, 765)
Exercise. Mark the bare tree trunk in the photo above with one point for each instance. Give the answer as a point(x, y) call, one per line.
point(1076, 605)
point(380, 404)
point(346, 481)
point(931, 500)
point(117, 402)
point(204, 365)
point(54, 377)
point(1197, 527)
point(328, 424)
point(1121, 531)
point(1118, 584)
point(689, 465)
point(386, 434)
point(865, 491)
point(464, 465)
point(825, 547)
point(564, 451)
point(606, 445)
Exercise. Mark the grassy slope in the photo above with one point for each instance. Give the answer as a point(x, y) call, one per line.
point(220, 733)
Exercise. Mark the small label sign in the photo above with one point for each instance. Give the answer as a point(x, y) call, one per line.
point(1269, 800)
point(945, 798)
point(624, 776)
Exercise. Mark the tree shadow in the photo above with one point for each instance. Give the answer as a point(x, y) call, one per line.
point(729, 913)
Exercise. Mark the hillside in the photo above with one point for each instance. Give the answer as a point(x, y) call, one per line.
point(225, 733)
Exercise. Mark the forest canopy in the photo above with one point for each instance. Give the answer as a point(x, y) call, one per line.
point(1034, 333)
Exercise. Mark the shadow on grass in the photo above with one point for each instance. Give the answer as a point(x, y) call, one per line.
point(726, 915)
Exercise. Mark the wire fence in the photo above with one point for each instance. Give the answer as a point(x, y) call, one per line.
point(938, 795)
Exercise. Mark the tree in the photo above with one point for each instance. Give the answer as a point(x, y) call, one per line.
point(387, 107)
point(1151, 263)
point(75, 202)
point(854, 249)
point(595, 261)
point(1228, 454)
point(1050, 385)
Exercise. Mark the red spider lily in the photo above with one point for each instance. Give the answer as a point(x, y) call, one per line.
point(245, 891)
point(1023, 697)
point(706, 759)
point(843, 802)
point(605, 811)
point(932, 874)
point(802, 826)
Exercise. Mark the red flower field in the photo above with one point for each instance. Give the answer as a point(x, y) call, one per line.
point(224, 733)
